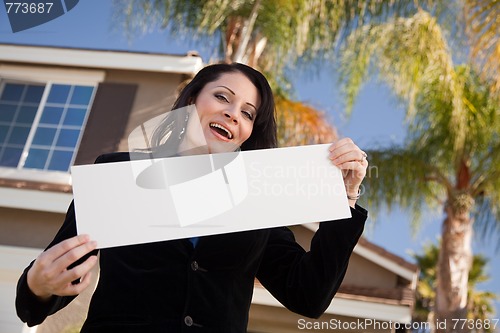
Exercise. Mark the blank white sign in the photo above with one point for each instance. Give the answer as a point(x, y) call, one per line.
point(145, 201)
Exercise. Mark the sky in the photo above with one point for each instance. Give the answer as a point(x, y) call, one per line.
point(376, 120)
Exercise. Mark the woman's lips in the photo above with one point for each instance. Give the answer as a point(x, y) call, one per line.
point(221, 131)
point(218, 135)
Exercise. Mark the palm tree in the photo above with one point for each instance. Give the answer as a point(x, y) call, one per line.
point(262, 33)
point(269, 34)
point(451, 158)
point(480, 308)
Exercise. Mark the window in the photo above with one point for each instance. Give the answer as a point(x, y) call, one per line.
point(41, 124)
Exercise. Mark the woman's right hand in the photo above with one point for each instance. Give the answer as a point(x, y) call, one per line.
point(50, 275)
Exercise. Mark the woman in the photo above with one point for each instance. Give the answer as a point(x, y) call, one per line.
point(205, 283)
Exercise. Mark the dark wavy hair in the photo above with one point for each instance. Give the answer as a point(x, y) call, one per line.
point(264, 127)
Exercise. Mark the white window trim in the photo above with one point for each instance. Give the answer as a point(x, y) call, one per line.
point(43, 74)
point(44, 201)
point(47, 76)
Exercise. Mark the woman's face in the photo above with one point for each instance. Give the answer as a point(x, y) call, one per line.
point(227, 109)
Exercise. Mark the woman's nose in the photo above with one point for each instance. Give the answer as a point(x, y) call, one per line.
point(232, 115)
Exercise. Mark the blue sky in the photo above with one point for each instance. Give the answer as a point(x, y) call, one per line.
point(375, 119)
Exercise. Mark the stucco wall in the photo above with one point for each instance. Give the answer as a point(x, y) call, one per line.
point(155, 94)
point(27, 228)
point(361, 268)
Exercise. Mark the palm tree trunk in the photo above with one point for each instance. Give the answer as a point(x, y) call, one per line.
point(233, 37)
point(246, 33)
point(255, 50)
point(455, 258)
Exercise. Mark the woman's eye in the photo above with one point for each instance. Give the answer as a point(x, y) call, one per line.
point(248, 115)
point(221, 97)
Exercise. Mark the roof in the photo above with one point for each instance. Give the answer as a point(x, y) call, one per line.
point(388, 255)
point(381, 256)
point(103, 59)
point(399, 295)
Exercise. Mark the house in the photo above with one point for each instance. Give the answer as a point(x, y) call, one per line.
point(61, 107)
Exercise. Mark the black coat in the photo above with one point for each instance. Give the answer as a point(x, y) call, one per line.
point(172, 286)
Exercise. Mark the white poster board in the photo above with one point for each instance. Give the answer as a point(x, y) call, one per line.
point(145, 201)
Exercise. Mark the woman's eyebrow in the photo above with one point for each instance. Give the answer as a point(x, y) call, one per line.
point(232, 92)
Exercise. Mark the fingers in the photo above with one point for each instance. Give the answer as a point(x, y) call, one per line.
point(65, 246)
point(63, 285)
point(351, 160)
point(49, 274)
point(45, 283)
point(82, 272)
point(346, 150)
point(340, 143)
point(73, 251)
point(352, 166)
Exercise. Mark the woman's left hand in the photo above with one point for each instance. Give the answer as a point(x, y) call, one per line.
point(346, 155)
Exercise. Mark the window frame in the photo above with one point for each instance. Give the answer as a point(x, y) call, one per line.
point(49, 77)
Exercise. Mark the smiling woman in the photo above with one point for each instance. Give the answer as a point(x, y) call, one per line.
point(204, 283)
point(235, 106)
point(226, 110)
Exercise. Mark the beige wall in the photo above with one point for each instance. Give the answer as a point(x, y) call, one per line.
point(26, 228)
point(302, 235)
point(155, 94)
point(362, 272)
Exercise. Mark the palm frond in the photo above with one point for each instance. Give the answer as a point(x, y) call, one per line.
point(293, 30)
point(400, 176)
point(483, 22)
point(407, 54)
